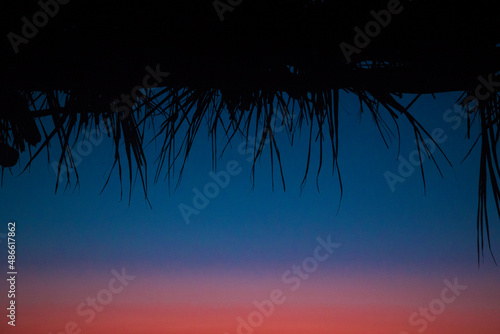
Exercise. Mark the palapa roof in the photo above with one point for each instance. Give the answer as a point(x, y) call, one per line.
point(236, 63)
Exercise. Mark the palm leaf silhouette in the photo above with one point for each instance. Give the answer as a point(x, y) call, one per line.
point(266, 60)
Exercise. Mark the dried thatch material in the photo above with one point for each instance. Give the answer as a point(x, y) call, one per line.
point(235, 65)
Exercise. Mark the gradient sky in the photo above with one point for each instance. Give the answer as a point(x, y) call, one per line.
point(396, 251)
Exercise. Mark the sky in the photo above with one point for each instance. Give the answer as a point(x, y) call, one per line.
point(254, 260)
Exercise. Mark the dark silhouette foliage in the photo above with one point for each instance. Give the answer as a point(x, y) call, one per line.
point(236, 74)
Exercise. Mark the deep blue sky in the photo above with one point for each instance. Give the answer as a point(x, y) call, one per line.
point(260, 228)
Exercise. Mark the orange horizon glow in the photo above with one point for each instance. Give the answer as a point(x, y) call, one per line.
point(157, 303)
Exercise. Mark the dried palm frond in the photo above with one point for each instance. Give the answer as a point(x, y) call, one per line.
point(267, 60)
